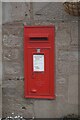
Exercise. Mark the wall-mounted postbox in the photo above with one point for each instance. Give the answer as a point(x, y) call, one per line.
point(39, 62)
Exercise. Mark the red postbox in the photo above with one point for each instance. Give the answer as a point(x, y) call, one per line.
point(39, 66)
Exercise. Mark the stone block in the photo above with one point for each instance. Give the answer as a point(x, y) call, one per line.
point(73, 56)
point(12, 68)
point(10, 77)
point(10, 54)
point(72, 109)
point(14, 105)
point(61, 87)
point(63, 68)
point(15, 11)
point(62, 35)
point(0, 101)
point(43, 23)
point(14, 101)
point(53, 11)
point(73, 68)
point(73, 89)
point(67, 55)
point(12, 41)
point(63, 55)
point(19, 10)
point(45, 109)
point(74, 33)
point(50, 108)
point(16, 89)
point(15, 28)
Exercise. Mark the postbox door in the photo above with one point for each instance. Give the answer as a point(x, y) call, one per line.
point(39, 72)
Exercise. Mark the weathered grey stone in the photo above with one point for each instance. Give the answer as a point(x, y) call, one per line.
point(66, 60)
point(0, 56)
point(52, 11)
point(16, 87)
point(13, 28)
point(13, 95)
point(15, 11)
point(16, 106)
point(74, 33)
point(61, 85)
point(45, 109)
point(68, 55)
point(11, 54)
point(50, 108)
point(73, 89)
point(63, 55)
point(73, 56)
point(12, 41)
point(0, 100)
point(19, 10)
point(13, 68)
point(63, 35)
point(73, 68)
point(63, 67)
point(0, 60)
point(71, 108)
point(13, 77)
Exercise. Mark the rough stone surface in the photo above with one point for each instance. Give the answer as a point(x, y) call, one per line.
point(15, 11)
point(0, 60)
point(0, 100)
point(12, 54)
point(73, 89)
point(11, 41)
point(61, 87)
point(53, 11)
point(14, 101)
point(66, 60)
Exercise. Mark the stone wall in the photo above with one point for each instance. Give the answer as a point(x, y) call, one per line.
point(0, 61)
point(15, 16)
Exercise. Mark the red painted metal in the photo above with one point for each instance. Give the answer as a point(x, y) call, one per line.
point(39, 40)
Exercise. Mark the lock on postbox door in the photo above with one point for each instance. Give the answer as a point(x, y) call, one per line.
point(39, 62)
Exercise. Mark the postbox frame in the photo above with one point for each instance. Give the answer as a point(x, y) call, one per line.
point(26, 87)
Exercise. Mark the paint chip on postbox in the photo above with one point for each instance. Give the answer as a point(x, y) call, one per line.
point(38, 63)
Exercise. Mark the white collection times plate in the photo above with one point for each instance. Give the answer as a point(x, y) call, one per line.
point(38, 63)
